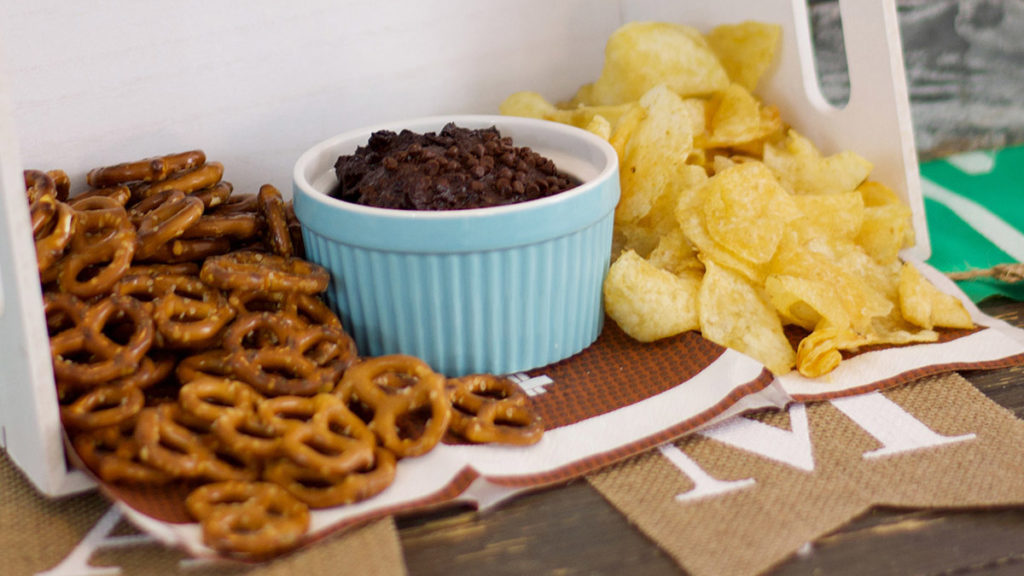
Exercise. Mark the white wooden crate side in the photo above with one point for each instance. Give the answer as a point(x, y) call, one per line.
point(30, 427)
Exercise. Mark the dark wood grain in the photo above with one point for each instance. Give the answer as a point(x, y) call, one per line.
point(571, 529)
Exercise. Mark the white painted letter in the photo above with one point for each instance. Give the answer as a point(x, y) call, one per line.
point(891, 425)
point(705, 486)
point(791, 447)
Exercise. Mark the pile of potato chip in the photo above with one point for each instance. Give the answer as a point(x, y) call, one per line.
point(730, 221)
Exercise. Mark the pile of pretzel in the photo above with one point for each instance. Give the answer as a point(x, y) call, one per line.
point(190, 342)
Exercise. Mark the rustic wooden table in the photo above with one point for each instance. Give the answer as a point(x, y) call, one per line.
point(571, 529)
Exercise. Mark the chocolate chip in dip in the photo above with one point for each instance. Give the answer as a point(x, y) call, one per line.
point(454, 169)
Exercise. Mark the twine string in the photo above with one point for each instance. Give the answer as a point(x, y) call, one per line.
point(1009, 273)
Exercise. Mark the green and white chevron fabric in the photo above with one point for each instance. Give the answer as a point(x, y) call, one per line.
point(974, 204)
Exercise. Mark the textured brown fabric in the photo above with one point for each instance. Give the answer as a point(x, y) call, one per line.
point(753, 529)
point(618, 371)
point(37, 534)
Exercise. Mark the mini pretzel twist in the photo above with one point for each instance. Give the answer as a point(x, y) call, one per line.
point(247, 436)
point(145, 170)
point(52, 227)
point(189, 180)
point(188, 313)
point(38, 184)
point(102, 407)
point(248, 519)
point(307, 307)
point(492, 409)
point(113, 454)
point(318, 491)
point(279, 354)
point(213, 196)
point(209, 398)
point(275, 220)
point(202, 364)
point(238, 227)
point(167, 443)
point(101, 248)
point(181, 250)
point(118, 193)
point(257, 271)
point(395, 389)
point(85, 355)
point(161, 218)
point(335, 442)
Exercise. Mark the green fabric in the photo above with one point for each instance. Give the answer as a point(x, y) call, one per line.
point(994, 182)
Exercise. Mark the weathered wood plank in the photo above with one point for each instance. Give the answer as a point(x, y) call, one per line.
point(887, 542)
point(567, 530)
point(963, 63)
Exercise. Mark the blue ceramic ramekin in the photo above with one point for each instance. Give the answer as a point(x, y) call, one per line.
point(490, 290)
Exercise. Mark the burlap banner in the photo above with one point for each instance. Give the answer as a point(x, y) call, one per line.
point(744, 496)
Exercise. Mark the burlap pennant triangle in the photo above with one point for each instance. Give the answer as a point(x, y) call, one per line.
point(79, 535)
point(743, 497)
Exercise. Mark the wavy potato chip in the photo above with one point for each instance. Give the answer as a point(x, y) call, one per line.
point(735, 314)
point(694, 228)
point(818, 352)
point(746, 50)
point(649, 303)
point(533, 105)
point(802, 169)
point(642, 55)
point(924, 305)
point(737, 118)
point(746, 211)
point(654, 156)
point(815, 258)
point(839, 215)
point(887, 227)
point(675, 254)
point(805, 302)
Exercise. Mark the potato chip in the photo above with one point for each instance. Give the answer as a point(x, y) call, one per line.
point(746, 50)
point(746, 211)
point(816, 258)
point(692, 223)
point(805, 302)
point(887, 226)
point(924, 305)
point(818, 352)
point(802, 169)
point(838, 215)
point(527, 104)
point(533, 105)
point(893, 329)
point(642, 55)
point(624, 129)
point(735, 314)
point(738, 118)
point(655, 153)
point(675, 254)
point(649, 303)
